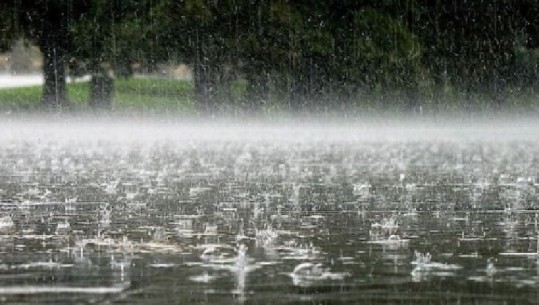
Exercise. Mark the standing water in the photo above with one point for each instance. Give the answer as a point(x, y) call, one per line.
point(153, 213)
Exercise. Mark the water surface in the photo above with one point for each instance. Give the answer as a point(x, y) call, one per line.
point(155, 213)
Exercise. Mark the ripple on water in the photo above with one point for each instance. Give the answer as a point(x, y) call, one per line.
point(169, 217)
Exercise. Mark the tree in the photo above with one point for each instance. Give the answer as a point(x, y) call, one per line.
point(92, 35)
point(524, 69)
point(382, 53)
point(109, 38)
point(471, 44)
point(256, 50)
point(204, 35)
point(47, 23)
point(337, 49)
point(264, 53)
point(306, 51)
point(8, 26)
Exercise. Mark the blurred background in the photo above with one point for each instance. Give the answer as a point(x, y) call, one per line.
point(272, 56)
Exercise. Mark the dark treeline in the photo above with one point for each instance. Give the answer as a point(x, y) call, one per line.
point(317, 55)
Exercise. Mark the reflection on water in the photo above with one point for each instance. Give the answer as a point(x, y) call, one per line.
point(228, 221)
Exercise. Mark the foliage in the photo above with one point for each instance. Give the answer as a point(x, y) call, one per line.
point(8, 21)
point(317, 54)
point(111, 35)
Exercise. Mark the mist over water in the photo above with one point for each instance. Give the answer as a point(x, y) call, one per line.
point(220, 212)
point(307, 129)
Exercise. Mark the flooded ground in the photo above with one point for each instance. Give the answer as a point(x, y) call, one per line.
point(192, 214)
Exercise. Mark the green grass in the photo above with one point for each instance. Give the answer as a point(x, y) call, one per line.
point(135, 94)
point(25, 98)
point(161, 96)
point(155, 95)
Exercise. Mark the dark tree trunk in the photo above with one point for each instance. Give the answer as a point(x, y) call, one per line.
point(54, 40)
point(54, 72)
point(206, 91)
point(101, 90)
point(257, 92)
point(297, 100)
point(203, 89)
point(499, 92)
point(299, 91)
point(310, 86)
